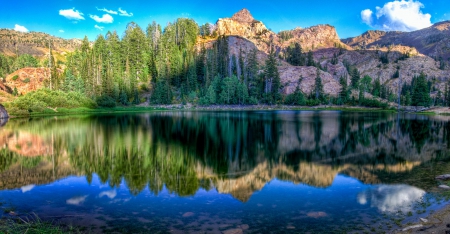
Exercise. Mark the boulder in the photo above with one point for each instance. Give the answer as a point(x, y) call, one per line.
point(3, 113)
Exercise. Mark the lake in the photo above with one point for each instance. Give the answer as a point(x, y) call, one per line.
point(249, 171)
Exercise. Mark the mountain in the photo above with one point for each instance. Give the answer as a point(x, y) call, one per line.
point(244, 25)
point(433, 41)
point(364, 52)
point(384, 56)
point(14, 43)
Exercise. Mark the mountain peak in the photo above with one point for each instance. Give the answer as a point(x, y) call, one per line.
point(243, 16)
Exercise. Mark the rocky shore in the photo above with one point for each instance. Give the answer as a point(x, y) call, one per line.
point(3, 115)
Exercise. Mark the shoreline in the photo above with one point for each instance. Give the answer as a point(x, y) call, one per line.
point(180, 107)
point(436, 223)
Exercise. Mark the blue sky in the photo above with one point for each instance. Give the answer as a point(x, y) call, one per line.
point(76, 18)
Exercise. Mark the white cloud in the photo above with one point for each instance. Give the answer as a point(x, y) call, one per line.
point(111, 194)
point(366, 16)
point(27, 188)
point(76, 200)
point(20, 28)
point(108, 11)
point(71, 14)
point(99, 27)
point(124, 13)
point(61, 31)
point(106, 18)
point(398, 16)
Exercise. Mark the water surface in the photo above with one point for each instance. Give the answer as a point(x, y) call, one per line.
point(259, 171)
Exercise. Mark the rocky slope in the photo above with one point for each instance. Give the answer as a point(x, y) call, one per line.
point(433, 41)
point(27, 79)
point(244, 25)
point(34, 43)
point(363, 52)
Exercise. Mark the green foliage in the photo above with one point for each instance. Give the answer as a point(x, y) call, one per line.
point(420, 91)
point(355, 77)
point(344, 92)
point(294, 55)
point(6, 65)
point(384, 58)
point(373, 103)
point(318, 87)
point(296, 98)
point(15, 92)
point(162, 93)
point(26, 80)
point(15, 77)
point(106, 101)
point(32, 225)
point(40, 100)
point(25, 60)
point(376, 90)
point(365, 84)
point(272, 82)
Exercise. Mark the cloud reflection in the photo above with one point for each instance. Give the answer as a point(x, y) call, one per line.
point(111, 194)
point(76, 200)
point(391, 198)
point(27, 188)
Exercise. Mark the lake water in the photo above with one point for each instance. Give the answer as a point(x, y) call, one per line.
point(257, 171)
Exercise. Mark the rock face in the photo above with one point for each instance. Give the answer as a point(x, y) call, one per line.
point(244, 25)
point(3, 113)
point(320, 36)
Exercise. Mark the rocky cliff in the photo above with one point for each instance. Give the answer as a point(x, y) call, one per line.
point(244, 25)
point(426, 50)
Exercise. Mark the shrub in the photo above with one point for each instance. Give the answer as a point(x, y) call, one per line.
point(15, 77)
point(373, 103)
point(106, 101)
point(27, 80)
point(39, 100)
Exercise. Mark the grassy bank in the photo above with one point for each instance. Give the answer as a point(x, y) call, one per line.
point(32, 225)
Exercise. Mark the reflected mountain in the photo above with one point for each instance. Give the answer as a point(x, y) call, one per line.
point(234, 152)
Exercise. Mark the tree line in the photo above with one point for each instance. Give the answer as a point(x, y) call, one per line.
point(166, 65)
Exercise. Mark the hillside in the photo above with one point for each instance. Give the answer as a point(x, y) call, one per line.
point(392, 58)
point(421, 46)
point(34, 43)
point(433, 41)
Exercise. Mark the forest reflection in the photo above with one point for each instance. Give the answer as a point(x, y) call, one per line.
point(233, 152)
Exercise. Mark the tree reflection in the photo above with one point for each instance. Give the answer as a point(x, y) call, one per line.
point(186, 151)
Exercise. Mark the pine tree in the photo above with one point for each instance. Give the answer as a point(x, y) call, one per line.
point(252, 74)
point(310, 59)
point(343, 93)
point(272, 80)
point(318, 87)
point(420, 93)
point(376, 91)
point(355, 77)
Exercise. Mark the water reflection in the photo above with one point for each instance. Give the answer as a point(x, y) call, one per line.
point(392, 198)
point(234, 152)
